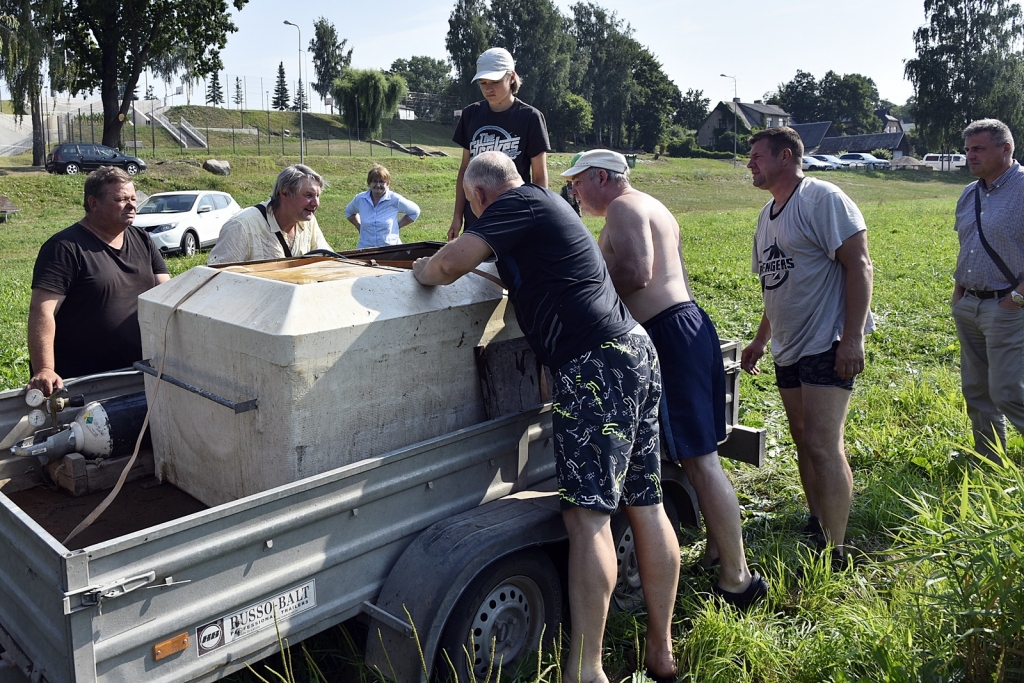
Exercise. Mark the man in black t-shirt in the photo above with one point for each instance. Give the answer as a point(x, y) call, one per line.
point(84, 313)
point(606, 391)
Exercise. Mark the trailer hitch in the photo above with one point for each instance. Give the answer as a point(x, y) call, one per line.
point(91, 596)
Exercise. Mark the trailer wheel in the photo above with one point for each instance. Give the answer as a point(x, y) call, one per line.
point(628, 594)
point(501, 617)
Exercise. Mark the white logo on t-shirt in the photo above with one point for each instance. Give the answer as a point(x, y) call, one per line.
point(494, 139)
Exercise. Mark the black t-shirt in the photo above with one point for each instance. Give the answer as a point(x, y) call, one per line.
point(98, 321)
point(556, 277)
point(520, 132)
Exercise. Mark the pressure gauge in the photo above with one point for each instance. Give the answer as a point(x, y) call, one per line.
point(34, 398)
point(37, 418)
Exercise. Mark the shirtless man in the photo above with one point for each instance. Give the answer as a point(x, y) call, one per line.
point(641, 246)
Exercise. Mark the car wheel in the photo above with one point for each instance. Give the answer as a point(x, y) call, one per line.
point(628, 594)
point(189, 244)
point(72, 168)
point(131, 168)
point(500, 618)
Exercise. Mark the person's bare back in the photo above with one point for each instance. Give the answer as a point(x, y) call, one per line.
point(641, 245)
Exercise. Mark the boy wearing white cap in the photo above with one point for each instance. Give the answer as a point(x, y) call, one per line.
point(500, 122)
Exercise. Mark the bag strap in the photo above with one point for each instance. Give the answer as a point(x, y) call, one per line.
point(280, 237)
point(1007, 273)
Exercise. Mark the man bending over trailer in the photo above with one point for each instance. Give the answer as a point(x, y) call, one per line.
point(607, 385)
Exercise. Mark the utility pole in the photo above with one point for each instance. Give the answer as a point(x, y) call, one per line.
point(735, 123)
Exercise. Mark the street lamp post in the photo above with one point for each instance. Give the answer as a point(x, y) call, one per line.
point(735, 123)
point(302, 131)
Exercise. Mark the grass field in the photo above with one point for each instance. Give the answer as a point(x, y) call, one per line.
point(942, 599)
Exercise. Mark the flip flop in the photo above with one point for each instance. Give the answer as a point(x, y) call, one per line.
point(756, 590)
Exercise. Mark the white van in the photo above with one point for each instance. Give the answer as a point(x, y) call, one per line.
point(945, 162)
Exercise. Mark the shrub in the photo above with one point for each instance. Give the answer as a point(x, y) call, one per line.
point(687, 149)
point(882, 154)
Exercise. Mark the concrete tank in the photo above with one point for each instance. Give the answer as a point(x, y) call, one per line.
point(347, 362)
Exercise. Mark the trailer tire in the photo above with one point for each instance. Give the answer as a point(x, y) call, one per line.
point(628, 594)
point(501, 617)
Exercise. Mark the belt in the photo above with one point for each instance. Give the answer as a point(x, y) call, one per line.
point(988, 293)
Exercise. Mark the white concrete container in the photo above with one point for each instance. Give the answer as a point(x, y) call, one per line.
point(347, 362)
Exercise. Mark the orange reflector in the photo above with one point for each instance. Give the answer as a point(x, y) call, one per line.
point(170, 646)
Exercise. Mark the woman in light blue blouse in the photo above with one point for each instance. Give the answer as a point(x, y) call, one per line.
point(375, 212)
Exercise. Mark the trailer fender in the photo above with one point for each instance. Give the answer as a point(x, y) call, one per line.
point(433, 572)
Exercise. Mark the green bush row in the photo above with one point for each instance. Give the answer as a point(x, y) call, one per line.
point(686, 149)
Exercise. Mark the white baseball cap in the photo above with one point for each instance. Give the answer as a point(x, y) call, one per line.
point(494, 64)
point(598, 158)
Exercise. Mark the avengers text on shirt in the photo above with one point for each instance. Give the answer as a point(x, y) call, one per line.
point(774, 270)
point(494, 139)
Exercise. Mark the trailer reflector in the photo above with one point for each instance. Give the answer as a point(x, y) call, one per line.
point(171, 646)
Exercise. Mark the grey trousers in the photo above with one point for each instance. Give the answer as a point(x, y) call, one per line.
point(991, 368)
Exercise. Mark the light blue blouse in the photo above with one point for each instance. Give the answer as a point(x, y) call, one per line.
point(378, 225)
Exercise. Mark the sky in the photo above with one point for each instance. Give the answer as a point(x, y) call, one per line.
point(762, 46)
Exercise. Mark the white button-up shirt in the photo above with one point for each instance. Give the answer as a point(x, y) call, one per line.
point(251, 237)
point(378, 225)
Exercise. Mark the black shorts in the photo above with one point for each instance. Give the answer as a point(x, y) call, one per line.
point(818, 370)
point(605, 423)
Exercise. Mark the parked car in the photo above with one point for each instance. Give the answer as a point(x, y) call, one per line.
point(185, 222)
point(865, 160)
point(75, 157)
point(945, 162)
point(812, 164)
point(835, 161)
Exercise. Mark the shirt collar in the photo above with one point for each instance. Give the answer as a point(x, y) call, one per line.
point(1001, 180)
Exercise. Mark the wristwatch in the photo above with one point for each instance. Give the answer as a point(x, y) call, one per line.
point(1017, 297)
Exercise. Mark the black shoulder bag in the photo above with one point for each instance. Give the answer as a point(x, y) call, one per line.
point(1007, 273)
point(284, 244)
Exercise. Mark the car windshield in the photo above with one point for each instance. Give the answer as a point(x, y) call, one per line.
point(168, 203)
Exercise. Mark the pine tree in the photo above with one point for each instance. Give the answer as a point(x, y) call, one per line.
point(300, 99)
point(281, 97)
point(239, 97)
point(214, 93)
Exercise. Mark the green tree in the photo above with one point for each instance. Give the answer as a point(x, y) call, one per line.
point(1006, 101)
point(214, 91)
point(849, 101)
point(149, 93)
point(106, 45)
point(570, 118)
point(367, 97)
point(329, 57)
point(800, 98)
point(239, 97)
point(424, 74)
point(25, 47)
point(691, 109)
point(281, 96)
point(300, 103)
point(652, 104)
point(469, 34)
point(960, 53)
point(607, 51)
point(538, 37)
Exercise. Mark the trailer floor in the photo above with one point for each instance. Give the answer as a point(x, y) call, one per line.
point(139, 505)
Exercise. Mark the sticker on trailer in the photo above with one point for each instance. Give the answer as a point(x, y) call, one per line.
point(254, 618)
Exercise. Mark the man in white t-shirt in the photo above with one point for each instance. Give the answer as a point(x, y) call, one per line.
point(811, 254)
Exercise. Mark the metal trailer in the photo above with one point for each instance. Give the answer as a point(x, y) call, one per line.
point(418, 541)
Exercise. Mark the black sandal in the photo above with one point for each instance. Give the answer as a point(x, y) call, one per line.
point(756, 590)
